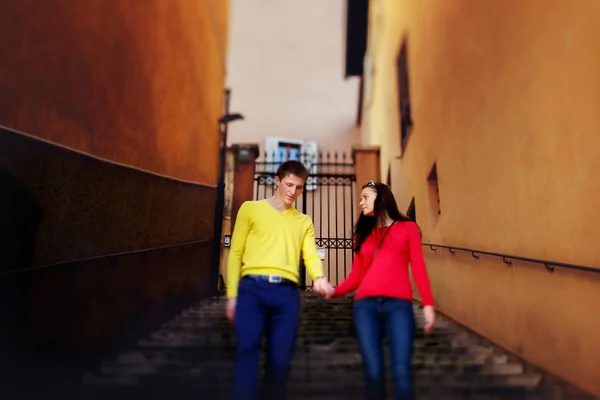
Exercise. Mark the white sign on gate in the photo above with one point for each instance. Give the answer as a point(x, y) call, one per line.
point(321, 252)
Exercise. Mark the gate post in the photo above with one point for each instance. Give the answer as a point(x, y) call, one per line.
point(245, 156)
point(244, 159)
point(367, 164)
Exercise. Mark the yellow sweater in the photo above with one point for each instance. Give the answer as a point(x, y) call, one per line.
point(268, 242)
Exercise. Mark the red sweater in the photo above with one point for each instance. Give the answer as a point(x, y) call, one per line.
point(388, 273)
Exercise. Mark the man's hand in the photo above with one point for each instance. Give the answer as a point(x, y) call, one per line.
point(429, 314)
point(323, 287)
point(230, 308)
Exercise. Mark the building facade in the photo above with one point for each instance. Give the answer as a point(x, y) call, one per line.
point(485, 116)
point(285, 71)
point(109, 112)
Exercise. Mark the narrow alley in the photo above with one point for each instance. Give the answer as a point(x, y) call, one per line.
point(132, 132)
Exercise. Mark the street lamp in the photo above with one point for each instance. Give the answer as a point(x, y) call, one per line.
point(220, 201)
point(227, 118)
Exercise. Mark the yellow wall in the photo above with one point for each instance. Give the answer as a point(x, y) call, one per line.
point(505, 99)
point(140, 83)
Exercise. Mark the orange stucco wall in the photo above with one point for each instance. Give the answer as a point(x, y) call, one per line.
point(505, 99)
point(139, 83)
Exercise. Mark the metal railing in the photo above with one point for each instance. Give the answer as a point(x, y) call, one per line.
point(507, 259)
point(113, 256)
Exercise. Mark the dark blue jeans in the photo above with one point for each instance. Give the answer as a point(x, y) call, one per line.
point(270, 308)
point(375, 317)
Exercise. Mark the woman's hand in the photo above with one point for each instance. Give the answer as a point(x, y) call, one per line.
point(429, 314)
point(329, 293)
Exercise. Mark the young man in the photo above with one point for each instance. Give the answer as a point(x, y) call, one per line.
point(262, 278)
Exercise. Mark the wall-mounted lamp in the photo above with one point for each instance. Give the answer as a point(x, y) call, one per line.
point(227, 118)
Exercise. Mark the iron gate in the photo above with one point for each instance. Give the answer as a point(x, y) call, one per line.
point(328, 198)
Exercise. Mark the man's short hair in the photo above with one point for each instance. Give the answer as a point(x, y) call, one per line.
point(292, 167)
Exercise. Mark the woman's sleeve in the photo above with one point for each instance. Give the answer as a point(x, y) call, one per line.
point(353, 280)
point(417, 265)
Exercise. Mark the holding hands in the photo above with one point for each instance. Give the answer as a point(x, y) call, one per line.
point(323, 287)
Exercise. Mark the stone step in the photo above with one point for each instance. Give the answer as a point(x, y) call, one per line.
point(164, 356)
point(192, 356)
point(345, 365)
point(348, 390)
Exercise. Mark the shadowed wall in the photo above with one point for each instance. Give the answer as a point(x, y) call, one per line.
point(112, 148)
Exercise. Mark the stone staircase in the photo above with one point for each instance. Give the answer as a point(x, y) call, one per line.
point(191, 357)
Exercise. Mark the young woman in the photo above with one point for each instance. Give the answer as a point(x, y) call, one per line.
point(385, 243)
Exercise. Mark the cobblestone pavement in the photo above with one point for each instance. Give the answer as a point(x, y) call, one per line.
point(191, 357)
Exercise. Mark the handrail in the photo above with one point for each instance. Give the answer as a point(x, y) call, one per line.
point(114, 256)
point(507, 259)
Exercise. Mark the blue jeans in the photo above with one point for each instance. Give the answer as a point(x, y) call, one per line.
point(374, 317)
point(270, 308)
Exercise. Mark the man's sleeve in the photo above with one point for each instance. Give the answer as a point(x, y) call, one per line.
point(312, 261)
point(236, 251)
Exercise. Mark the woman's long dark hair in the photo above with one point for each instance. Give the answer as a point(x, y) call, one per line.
point(384, 202)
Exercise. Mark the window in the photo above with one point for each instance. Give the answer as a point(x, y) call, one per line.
point(280, 150)
point(389, 175)
point(288, 151)
point(406, 122)
point(434, 195)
